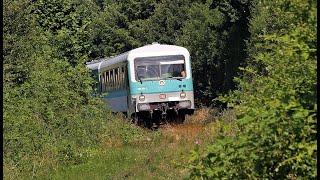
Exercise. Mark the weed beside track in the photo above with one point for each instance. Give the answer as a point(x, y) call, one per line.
point(129, 151)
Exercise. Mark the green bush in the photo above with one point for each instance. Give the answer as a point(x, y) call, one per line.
point(120, 131)
point(49, 117)
point(276, 107)
point(45, 116)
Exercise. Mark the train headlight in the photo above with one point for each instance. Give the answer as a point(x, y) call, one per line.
point(184, 104)
point(144, 107)
point(183, 95)
point(162, 96)
point(142, 97)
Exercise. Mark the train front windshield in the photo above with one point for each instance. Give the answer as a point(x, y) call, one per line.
point(160, 67)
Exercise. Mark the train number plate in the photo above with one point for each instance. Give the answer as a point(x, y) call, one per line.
point(173, 98)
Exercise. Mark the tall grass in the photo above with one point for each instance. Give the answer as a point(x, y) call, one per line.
point(127, 151)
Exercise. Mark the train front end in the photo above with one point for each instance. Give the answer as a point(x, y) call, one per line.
point(161, 82)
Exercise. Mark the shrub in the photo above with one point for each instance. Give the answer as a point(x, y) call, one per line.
point(276, 108)
point(119, 131)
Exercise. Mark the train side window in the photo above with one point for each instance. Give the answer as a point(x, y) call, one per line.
point(116, 78)
point(102, 82)
point(105, 81)
point(111, 79)
point(126, 76)
point(108, 80)
point(119, 77)
point(122, 77)
point(109, 76)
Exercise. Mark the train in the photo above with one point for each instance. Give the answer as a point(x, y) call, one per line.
point(149, 84)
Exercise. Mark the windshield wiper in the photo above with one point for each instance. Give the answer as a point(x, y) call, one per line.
point(177, 78)
point(139, 77)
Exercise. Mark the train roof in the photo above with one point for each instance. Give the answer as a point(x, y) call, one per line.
point(154, 49)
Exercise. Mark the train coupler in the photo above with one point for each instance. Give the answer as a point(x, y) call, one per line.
point(151, 113)
point(176, 110)
point(164, 107)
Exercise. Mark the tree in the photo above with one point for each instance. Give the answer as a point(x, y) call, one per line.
point(275, 103)
point(215, 33)
point(17, 28)
point(108, 33)
point(48, 111)
point(67, 25)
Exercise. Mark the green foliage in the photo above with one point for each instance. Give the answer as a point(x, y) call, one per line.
point(215, 39)
point(122, 26)
point(276, 104)
point(120, 131)
point(108, 34)
point(205, 50)
point(165, 25)
point(133, 9)
point(16, 40)
point(49, 117)
point(67, 25)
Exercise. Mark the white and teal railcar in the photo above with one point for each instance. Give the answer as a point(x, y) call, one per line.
point(149, 80)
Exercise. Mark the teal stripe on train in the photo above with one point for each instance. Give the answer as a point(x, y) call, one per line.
point(171, 85)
